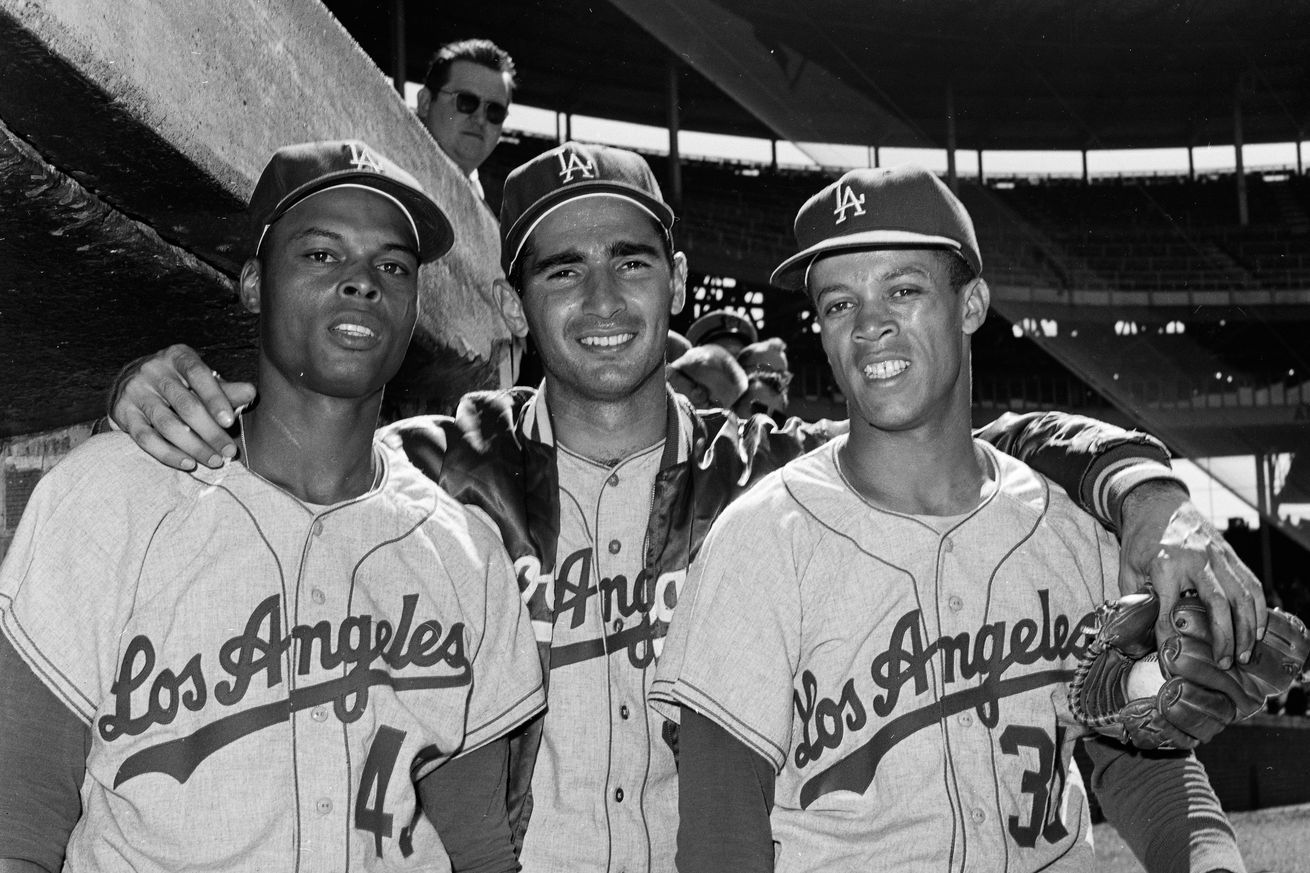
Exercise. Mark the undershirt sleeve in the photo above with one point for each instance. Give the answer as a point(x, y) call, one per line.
point(1162, 804)
point(43, 751)
point(725, 796)
point(465, 801)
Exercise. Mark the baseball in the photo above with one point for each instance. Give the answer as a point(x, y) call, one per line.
point(1145, 678)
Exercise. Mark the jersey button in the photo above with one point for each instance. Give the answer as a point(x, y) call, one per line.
point(948, 544)
point(618, 795)
point(614, 479)
point(618, 625)
point(623, 711)
point(955, 603)
point(978, 816)
point(318, 713)
point(966, 719)
point(324, 806)
point(615, 545)
point(317, 596)
point(317, 528)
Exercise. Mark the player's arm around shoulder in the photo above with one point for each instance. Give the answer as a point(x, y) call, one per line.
point(766, 446)
point(1096, 463)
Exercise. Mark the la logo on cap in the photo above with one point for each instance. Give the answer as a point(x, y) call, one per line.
point(847, 199)
point(571, 162)
point(363, 159)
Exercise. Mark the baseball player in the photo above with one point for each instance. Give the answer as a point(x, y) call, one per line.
point(252, 668)
point(604, 483)
point(870, 658)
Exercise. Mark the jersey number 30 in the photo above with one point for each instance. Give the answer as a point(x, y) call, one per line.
point(1045, 784)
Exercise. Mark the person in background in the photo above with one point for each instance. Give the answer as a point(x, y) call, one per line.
point(725, 328)
point(676, 347)
point(768, 378)
point(708, 377)
point(464, 100)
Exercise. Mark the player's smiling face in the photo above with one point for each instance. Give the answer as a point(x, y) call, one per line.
point(598, 290)
point(337, 293)
point(896, 333)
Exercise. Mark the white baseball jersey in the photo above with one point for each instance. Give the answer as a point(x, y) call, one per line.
point(604, 791)
point(264, 680)
point(905, 675)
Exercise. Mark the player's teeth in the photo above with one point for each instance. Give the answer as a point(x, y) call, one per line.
point(607, 340)
point(355, 330)
point(885, 369)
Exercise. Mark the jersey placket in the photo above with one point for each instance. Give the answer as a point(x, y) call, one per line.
point(963, 610)
point(323, 792)
point(600, 665)
point(622, 512)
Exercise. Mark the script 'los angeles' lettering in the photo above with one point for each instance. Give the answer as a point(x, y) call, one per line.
point(144, 697)
point(908, 661)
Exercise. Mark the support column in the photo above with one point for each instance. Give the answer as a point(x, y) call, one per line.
point(1243, 216)
point(869, 157)
point(1299, 137)
point(1191, 163)
point(877, 156)
point(1263, 487)
point(951, 177)
point(568, 125)
point(398, 45)
point(675, 160)
point(773, 155)
point(1086, 178)
point(982, 177)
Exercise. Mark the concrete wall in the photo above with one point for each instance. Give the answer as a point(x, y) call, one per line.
point(167, 112)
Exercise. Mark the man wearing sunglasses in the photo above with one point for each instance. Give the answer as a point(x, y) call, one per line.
point(464, 100)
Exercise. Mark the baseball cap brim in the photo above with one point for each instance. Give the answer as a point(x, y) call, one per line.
point(436, 236)
point(790, 274)
point(518, 234)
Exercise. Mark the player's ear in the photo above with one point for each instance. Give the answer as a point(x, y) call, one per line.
point(249, 285)
point(975, 300)
point(424, 104)
point(510, 306)
point(679, 283)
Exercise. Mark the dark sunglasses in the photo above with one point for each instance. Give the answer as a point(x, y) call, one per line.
point(467, 103)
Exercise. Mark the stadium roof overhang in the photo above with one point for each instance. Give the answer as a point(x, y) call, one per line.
point(1020, 74)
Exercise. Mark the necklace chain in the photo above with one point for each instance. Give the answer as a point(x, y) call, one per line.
point(375, 471)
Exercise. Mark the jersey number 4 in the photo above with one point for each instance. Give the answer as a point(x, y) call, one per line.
point(1045, 784)
point(373, 782)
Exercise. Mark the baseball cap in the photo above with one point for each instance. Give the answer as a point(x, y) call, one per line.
point(567, 172)
point(720, 323)
point(768, 354)
point(905, 207)
point(297, 171)
point(714, 369)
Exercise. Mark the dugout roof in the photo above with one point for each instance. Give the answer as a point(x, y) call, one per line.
point(1022, 74)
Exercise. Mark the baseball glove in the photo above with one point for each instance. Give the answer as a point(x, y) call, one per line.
point(1197, 699)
